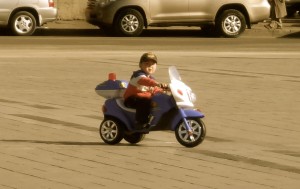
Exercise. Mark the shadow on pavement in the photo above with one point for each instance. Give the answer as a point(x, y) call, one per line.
point(177, 33)
point(295, 24)
point(146, 33)
point(54, 142)
point(292, 35)
point(99, 33)
point(72, 143)
point(69, 32)
point(292, 31)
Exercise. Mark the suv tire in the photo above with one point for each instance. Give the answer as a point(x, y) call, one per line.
point(129, 23)
point(23, 23)
point(231, 23)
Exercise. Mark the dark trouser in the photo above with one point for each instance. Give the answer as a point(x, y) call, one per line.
point(142, 106)
point(273, 12)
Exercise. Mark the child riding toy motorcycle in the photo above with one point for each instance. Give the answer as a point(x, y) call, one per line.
point(174, 111)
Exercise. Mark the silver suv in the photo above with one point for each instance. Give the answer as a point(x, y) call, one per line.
point(22, 17)
point(228, 18)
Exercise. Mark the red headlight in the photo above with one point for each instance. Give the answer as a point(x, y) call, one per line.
point(179, 92)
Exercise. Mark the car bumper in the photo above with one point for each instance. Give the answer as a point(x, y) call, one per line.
point(100, 17)
point(93, 17)
point(47, 15)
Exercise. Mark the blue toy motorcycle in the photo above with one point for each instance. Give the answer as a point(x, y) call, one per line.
point(174, 111)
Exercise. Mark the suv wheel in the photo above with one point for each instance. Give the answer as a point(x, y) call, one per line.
point(231, 23)
point(23, 23)
point(129, 23)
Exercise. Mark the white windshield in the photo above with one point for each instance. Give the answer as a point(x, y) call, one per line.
point(182, 93)
point(173, 73)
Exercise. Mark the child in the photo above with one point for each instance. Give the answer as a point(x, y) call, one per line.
point(142, 86)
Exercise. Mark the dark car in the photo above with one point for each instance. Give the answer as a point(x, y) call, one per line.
point(292, 6)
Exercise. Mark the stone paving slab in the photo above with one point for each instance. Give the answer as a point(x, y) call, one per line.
point(50, 114)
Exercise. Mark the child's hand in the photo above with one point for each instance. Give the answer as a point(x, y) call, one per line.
point(164, 86)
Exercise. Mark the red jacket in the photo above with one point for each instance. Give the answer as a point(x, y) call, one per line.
point(141, 85)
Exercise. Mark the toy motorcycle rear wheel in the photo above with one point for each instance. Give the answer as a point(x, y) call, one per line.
point(134, 138)
point(199, 132)
point(111, 131)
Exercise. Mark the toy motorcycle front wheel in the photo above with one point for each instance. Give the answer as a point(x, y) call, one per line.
point(183, 136)
point(111, 131)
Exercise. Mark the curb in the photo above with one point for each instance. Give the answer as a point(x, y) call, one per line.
point(291, 28)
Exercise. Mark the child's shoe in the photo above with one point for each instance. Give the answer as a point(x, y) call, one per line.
point(140, 126)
